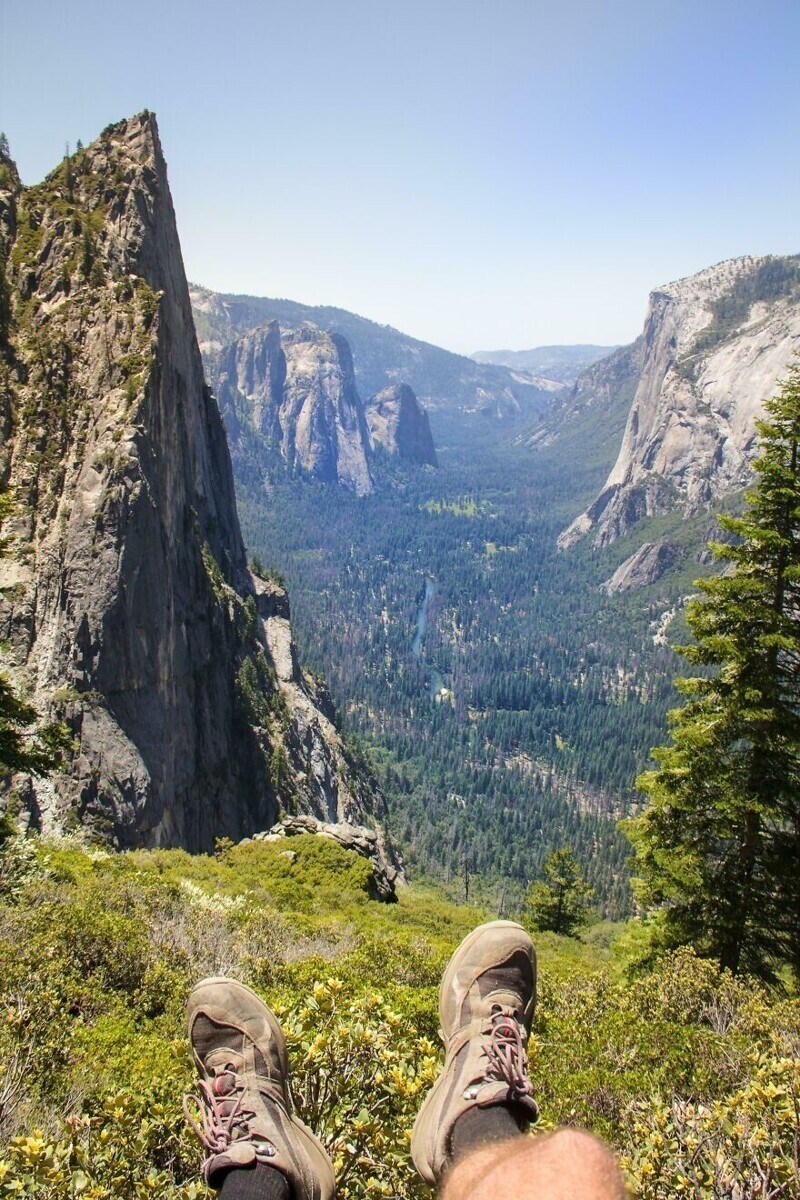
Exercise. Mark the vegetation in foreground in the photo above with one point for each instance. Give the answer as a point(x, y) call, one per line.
point(692, 1074)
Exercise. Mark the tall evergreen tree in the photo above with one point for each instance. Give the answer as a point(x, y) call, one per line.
point(719, 845)
point(560, 901)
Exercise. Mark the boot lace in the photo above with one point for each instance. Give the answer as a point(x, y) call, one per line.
point(506, 1054)
point(218, 1115)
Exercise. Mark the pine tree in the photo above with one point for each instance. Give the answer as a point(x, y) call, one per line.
point(719, 845)
point(559, 903)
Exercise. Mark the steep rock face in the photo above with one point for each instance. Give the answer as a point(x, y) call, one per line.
point(322, 421)
point(645, 566)
point(399, 424)
point(715, 345)
point(298, 394)
point(449, 385)
point(255, 367)
point(126, 603)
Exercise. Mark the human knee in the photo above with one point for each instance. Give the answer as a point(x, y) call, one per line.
point(573, 1145)
point(574, 1162)
point(563, 1165)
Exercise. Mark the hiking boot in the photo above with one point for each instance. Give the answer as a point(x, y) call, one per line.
point(243, 1113)
point(486, 1004)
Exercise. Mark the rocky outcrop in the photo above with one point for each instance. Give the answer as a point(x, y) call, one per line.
point(715, 345)
point(127, 605)
point(644, 567)
point(366, 842)
point(249, 381)
point(449, 385)
point(298, 394)
point(399, 424)
point(322, 421)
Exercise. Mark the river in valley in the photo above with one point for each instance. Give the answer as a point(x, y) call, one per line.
point(434, 680)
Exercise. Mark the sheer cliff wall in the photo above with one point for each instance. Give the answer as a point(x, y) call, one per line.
point(714, 347)
point(127, 606)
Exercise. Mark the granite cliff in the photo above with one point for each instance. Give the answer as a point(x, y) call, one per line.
point(714, 346)
point(292, 397)
point(448, 385)
point(127, 606)
point(399, 424)
point(297, 393)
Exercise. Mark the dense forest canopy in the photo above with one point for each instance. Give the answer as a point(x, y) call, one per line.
point(519, 719)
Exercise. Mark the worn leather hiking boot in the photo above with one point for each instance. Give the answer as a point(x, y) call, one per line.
point(486, 1003)
point(243, 1112)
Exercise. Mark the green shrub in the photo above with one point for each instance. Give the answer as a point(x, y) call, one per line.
point(744, 1145)
point(692, 1075)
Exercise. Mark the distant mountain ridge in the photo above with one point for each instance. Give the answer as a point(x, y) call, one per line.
point(445, 383)
point(551, 364)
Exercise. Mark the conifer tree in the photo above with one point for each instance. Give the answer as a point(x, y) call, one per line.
point(559, 902)
point(719, 845)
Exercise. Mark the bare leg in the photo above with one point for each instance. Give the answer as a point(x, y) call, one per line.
point(569, 1164)
point(468, 1138)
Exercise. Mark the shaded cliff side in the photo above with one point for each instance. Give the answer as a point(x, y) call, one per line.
point(127, 604)
point(715, 345)
point(398, 422)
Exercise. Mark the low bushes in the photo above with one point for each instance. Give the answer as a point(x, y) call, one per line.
point(693, 1076)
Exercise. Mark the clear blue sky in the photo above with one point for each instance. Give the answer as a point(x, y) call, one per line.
point(502, 173)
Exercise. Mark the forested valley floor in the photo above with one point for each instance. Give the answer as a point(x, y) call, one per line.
point(508, 704)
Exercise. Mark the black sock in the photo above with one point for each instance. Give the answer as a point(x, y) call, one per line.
point(477, 1126)
point(254, 1183)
